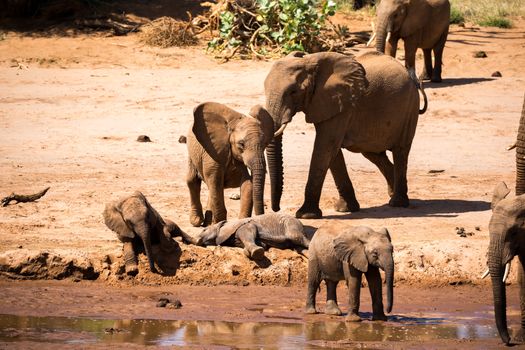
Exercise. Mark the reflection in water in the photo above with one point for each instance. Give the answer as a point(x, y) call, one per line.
point(227, 334)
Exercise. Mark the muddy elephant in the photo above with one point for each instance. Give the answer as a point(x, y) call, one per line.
point(226, 150)
point(342, 252)
point(507, 239)
point(421, 24)
point(256, 234)
point(366, 105)
point(138, 225)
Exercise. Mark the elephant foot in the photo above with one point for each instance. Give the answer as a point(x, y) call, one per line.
point(332, 308)
point(436, 80)
point(196, 220)
point(399, 201)
point(380, 317)
point(254, 253)
point(208, 218)
point(309, 213)
point(424, 76)
point(344, 206)
point(310, 310)
point(352, 317)
point(132, 270)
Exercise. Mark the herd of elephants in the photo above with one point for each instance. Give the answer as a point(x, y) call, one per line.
point(368, 104)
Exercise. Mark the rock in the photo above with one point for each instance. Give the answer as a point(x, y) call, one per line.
point(480, 54)
point(182, 139)
point(163, 302)
point(176, 304)
point(496, 74)
point(235, 196)
point(143, 138)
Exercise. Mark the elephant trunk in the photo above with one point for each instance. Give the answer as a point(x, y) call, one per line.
point(274, 153)
point(389, 280)
point(258, 169)
point(383, 27)
point(520, 154)
point(498, 286)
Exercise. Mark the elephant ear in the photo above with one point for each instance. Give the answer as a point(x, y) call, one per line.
point(115, 221)
point(348, 248)
point(228, 229)
point(262, 115)
point(384, 232)
point(500, 192)
point(211, 124)
point(339, 81)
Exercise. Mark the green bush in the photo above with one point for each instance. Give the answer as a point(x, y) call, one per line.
point(456, 16)
point(496, 21)
point(273, 26)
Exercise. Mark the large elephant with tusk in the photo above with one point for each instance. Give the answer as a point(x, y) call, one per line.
point(367, 105)
point(421, 24)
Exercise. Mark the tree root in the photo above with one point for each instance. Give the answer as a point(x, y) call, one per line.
point(20, 198)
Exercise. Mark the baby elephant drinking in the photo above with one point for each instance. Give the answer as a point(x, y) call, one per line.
point(255, 234)
point(138, 224)
point(342, 252)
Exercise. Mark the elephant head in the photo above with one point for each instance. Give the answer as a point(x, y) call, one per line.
point(321, 85)
point(363, 247)
point(507, 239)
point(225, 133)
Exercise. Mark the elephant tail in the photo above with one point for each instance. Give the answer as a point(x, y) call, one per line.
point(425, 100)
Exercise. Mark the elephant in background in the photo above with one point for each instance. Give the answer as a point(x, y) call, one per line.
point(367, 105)
point(226, 150)
point(421, 24)
point(255, 234)
point(138, 225)
point(342, 252)
point(507, 237)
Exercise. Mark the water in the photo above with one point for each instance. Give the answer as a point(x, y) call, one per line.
point(220, 334)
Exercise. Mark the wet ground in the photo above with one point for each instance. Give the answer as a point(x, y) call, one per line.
point(54, 314)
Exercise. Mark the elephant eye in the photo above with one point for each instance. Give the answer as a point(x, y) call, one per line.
point(240, 144)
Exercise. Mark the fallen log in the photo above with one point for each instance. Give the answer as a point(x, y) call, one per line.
point(20, 198)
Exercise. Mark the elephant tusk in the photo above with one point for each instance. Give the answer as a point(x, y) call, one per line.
point(511, 147)
point(280, 131)
point(371, 39)
point(388, 36)
point(506, 273)
point(249, 171)
point(485, 274)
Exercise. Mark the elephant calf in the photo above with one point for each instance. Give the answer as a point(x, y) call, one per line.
point(138, 225)
point(226, 150)
point(255, 234)
point(342, 252)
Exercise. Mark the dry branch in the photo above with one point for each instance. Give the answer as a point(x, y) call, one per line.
point(21, 198)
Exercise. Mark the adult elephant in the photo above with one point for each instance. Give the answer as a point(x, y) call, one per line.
point(368, 113)
point(421, 24)
point(507, 237)
point(226, 150)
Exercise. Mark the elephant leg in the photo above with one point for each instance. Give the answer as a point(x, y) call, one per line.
point(194, 185)
point(246, 197)
point(331, 298)
point(347, 201)
point(247, 234)
point(314, 280)
point(438, 58)
point(400, 197)
point(427, 70)
point(215, 182)
point(353, 282)
point(375, 286)
point(385, 166)
point(391, 47)
point(143, 230)
point(130, 258)
point(328, 140)
point(410, 57)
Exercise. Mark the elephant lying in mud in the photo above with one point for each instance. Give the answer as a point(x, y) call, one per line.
point(138, 225)
point(342, 252)
point(226, 150)
point(255, 234)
